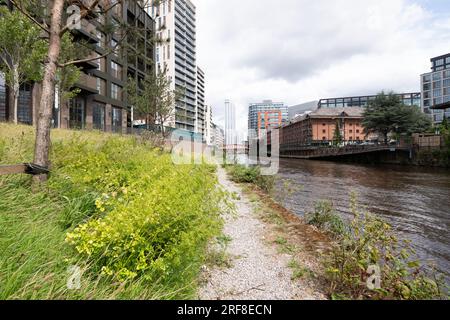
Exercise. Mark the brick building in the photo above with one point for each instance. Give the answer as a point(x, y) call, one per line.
point(318, 128)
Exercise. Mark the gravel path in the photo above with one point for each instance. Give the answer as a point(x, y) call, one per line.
point(258, 271)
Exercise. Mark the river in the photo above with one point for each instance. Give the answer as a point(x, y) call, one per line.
point(414, 200)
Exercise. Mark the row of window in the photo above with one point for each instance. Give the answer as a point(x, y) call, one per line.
point(77, 116)
point(408, 99)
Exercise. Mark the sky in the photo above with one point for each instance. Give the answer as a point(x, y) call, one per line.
point(295, 51)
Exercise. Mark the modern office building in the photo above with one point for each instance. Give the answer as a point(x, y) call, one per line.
point(102, 101)
point(266, 115)
point(436, 89)
point(302, 109)
point(176, 51)
point(410, 99)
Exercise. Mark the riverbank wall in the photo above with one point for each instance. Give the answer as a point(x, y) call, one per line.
point(417, 156)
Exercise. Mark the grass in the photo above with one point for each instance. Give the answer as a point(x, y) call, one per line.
point(101, 180)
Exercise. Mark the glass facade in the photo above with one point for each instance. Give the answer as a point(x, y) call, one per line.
point(409, 99)
point(436, 89)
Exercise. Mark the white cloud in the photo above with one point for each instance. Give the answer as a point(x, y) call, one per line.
point(300, 50)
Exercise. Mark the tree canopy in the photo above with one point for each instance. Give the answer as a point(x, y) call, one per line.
point(387, 114)
point(21, 53)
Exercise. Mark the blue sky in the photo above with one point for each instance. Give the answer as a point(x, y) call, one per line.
point(437, 6)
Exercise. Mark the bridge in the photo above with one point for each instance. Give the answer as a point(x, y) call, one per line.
point(337, 152)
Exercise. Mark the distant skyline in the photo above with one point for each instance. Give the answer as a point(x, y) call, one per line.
point(301, 50)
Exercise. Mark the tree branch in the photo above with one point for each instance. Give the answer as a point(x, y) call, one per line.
point(29, 16)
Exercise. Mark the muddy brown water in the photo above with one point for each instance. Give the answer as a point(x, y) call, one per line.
point(414, 200)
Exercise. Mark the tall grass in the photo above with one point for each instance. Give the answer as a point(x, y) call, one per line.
point(87, 168)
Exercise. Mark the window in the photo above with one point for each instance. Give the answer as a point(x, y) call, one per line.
point(116, 120)
point(24, 108)
point(116, 70)
point(3, 115)
point(102, 39)
point(447, 74)
point(324, 131)
point(437, 76)
point(98, 116)
point(437, 93)
point(77, 113)
point(426, 78)
point(439, 62)
point(447, 83)
point(427, 86)
point(357, 131)
point(437, 85)
point(101, 86)
point(116, 92)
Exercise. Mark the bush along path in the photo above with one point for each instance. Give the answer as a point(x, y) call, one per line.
point(252, 266)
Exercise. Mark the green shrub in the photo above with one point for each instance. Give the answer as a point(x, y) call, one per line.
point(370, 241)
point(324, 217)
point(251, 174)
point(136, 223)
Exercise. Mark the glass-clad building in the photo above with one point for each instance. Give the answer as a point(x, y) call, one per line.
point(436, 89)
point(409, 99)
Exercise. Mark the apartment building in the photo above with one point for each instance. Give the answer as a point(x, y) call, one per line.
point(435, 87)
point(176, 52)
point(209, 134)
point(200, 125)
point(266, 115)
point(101, 103)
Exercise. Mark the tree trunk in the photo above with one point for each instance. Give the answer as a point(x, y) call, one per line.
point(15, 93)
point(42, 145)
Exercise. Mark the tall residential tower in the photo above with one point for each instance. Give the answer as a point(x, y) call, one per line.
point(176, 51)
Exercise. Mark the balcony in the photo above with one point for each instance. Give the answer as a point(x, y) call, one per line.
point(87, 31)
point(87, 83)
point(90, 65)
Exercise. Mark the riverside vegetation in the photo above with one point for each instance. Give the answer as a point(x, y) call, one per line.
point(364, 241)
point(135, 224)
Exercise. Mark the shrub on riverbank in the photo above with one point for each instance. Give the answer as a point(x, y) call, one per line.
point(366, 245)
point(135, 224)
point(252, 175)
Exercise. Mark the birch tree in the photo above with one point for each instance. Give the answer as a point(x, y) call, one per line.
point(21, 53)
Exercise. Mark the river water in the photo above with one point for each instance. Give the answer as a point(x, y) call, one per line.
point(415, 200)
